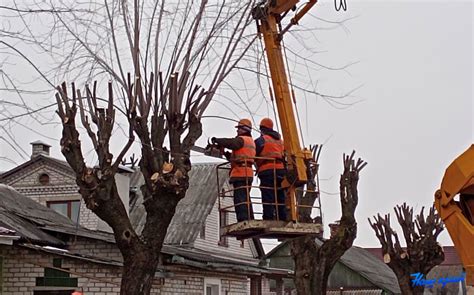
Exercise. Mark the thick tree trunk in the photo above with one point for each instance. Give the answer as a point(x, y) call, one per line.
point(138, 271)
point(311, 269)
point(142, 256)
point(314, 263)
point(303, 255)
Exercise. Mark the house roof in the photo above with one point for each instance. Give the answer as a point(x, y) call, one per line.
point(363, 262)
point(177, 256)
point(26, 216)
point(36, 223)
point(192, 210)
point(451, 257)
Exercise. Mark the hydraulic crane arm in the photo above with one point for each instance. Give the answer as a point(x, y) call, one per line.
point(458, 216)
point(268, 15)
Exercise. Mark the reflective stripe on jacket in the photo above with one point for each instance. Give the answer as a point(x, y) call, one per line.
point(243, 159)
point(272, 149)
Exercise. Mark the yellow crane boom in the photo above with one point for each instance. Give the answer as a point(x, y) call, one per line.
point(268, 16)
point(458, 216)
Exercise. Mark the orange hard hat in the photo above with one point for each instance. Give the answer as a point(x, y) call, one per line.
point(77, 293)
point(267, 123)
point(244, 123)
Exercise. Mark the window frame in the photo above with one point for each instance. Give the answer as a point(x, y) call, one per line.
point(212, 282)
point(69, 207)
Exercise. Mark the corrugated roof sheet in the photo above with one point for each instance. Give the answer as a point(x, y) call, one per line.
point(7, 232)
point(377, 272)
point(24, 216)
point(192, 210)
point(33, 221)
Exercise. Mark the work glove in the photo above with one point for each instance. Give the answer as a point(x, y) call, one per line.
point(227, 155)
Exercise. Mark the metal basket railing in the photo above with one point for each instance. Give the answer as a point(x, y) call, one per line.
point(254, 203)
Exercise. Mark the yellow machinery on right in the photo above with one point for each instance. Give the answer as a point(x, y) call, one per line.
point(458, 215)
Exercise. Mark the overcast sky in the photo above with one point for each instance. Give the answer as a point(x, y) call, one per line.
point(414, 111)
point(412, 116)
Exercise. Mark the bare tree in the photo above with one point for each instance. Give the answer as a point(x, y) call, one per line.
point(94, 41)
point(422, 251)
point(179, 53)
point(313, 264)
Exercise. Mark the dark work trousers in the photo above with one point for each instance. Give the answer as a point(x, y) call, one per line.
point(268, 184)
point(241, 187)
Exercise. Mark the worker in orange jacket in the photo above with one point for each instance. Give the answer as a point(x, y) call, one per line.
point(271, 171)
point(241, 161)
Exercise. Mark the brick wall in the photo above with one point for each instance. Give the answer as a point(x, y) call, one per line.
point(95, 248)
point(22, 266)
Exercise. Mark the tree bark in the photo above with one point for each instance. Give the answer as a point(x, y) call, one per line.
point(141, 260)
point(314, 263)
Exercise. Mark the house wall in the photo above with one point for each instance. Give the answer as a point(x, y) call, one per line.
point(123, 188)
point(62, 187)
point(212, 236)
point(95, 248)
point(22, 266)
point(29, 177)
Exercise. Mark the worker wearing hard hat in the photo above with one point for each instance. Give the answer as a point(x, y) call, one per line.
point(271, 170)
point(242, 160)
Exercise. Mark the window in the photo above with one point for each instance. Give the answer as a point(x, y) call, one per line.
point(43, 179)
point(212, 286)
point(223, 221)
point(67, 208)
point(54, 277)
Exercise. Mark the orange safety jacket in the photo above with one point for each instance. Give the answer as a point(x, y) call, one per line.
point(272, 149)
point(242, 159)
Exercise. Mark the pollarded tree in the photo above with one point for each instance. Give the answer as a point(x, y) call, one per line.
point(314, 263)
point(422, 251)
point(180, 52)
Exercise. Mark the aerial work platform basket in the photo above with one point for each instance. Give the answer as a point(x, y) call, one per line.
point(271, 229)
point(307, 200)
